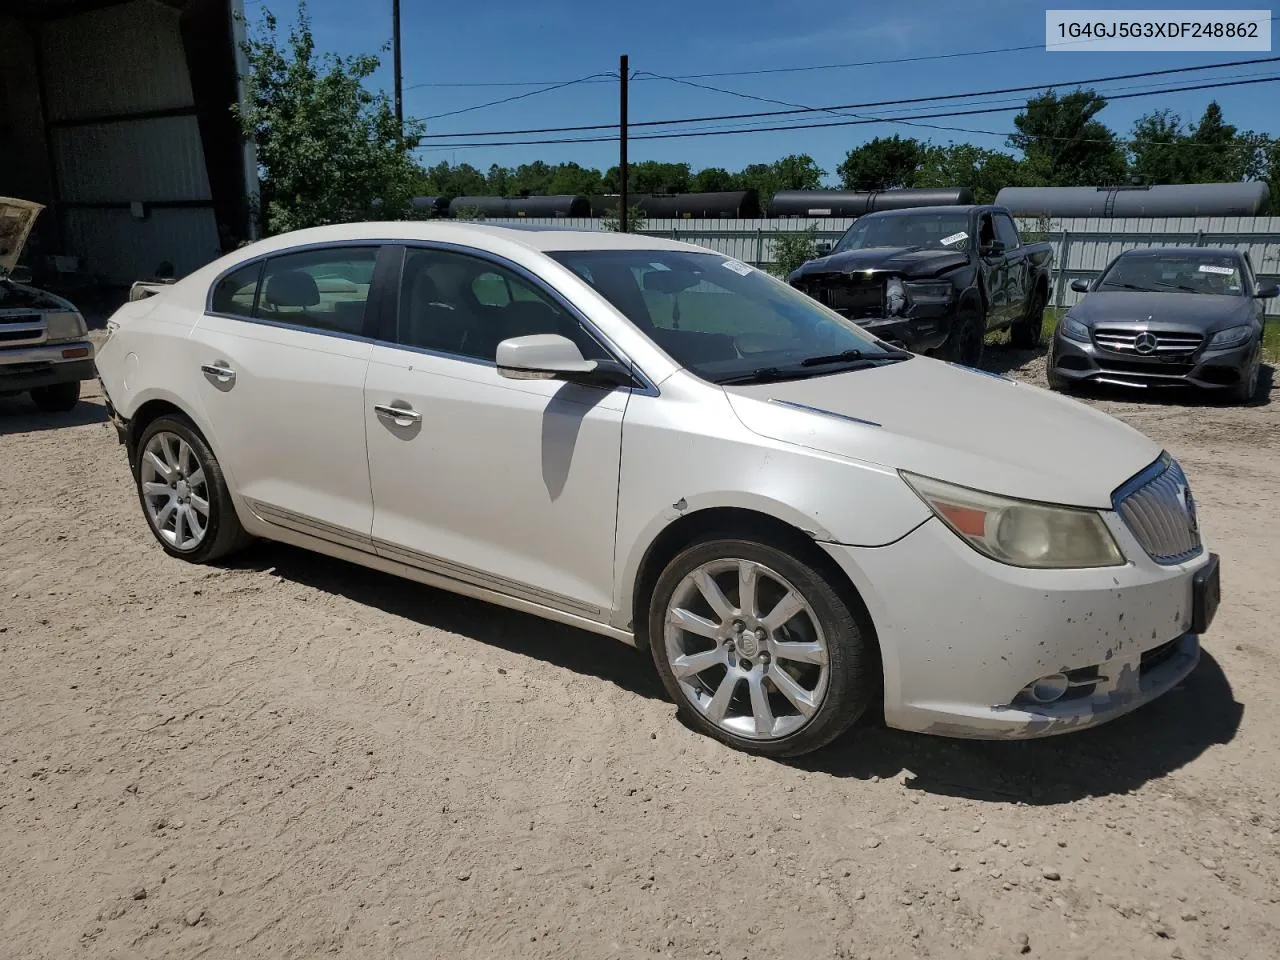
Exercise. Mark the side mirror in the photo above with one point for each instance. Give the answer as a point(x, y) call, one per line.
point(822, 248)
point(20, 274)
point(994, 249)
point(549, 356)
point(1268, 292)
point(1080, 286)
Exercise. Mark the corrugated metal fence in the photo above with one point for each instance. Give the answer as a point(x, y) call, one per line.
point(1082, 247)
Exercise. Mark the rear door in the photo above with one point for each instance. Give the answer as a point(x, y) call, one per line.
point(283, 350)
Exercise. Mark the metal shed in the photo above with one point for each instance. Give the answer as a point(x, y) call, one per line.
point(116, 114)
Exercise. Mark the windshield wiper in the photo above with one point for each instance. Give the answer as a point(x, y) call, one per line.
point(1127, 286)
point(887, 356)
point(1178, 286)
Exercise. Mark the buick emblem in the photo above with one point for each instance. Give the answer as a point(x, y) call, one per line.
point(1145, 343)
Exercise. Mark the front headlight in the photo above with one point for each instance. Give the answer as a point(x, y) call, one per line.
point(64, 326)
point(1230, 337)
point(1073, 329)
point(1020, 533)
point(929, 292)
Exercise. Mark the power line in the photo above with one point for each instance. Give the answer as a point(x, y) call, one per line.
point(518, 96)
point(794, 109)
point(866, 120)
point(765, 71)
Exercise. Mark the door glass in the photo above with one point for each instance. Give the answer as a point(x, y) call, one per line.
point(322, 289)
point(466, 306)
point(1006, 232)
point(233, 294)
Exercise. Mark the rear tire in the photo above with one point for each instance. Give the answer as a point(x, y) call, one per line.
point(750, 675)
point(183, 493)
point(964, 344)
point(1026, 334)
point(57, 397)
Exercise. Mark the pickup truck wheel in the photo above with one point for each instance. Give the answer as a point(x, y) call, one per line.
point(184, 494)
point(1026, 333)
point(758, 649)
point(57, 397)
point(965, 342)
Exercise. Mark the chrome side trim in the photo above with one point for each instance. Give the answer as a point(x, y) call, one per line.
point(481, 578)
point(825, 413)
point(1158, 508)
point(447, 570)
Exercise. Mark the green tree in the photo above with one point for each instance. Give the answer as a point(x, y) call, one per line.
point(1159, 148)
point(1063, 145)
point(570, 178)
point(791, 248)
point(984, 171)
point(885, 163)
point(464, 180)
point(329, 149)
point(713, 180)
point(637, 220)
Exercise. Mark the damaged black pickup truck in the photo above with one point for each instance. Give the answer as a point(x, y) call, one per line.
point(935, 279)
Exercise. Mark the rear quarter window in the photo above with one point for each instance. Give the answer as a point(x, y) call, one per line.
point(234, 294)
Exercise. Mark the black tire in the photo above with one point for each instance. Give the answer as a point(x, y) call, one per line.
point(223, 534)
point(1246, 390)
point(1026, 334)
point(57, 397)
point(964, 344)
point(853, 678)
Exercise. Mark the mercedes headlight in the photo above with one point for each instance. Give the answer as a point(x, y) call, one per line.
point(1230, 337)
point(64, 326)
point(1020, 533)
point(929, 292)
point(1073, 329)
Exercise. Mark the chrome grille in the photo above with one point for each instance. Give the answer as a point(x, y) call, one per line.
point(1145, 343)
point(1158, 507)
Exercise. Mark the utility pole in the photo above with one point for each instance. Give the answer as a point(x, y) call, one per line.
point(395, 28)
point(623, 71)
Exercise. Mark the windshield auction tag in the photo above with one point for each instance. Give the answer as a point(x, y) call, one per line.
point(1214, 268)
point(737, 266)
point(954, 238)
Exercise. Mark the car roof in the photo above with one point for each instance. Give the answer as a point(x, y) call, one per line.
point(538, 237)
point(940, 208)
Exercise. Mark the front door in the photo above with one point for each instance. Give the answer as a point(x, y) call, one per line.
point(511, 485)
point(283, 356)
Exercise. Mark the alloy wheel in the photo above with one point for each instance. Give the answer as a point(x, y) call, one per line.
point(175, 492)
point(746, 649)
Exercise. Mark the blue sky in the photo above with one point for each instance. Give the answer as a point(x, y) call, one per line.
point(557, 40)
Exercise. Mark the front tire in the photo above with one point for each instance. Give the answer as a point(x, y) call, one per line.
point(964, 344)
point(759, 649)
point(1245, 391)
point(57, 397)
point(184, 494)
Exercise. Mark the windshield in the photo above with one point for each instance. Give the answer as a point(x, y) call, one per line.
point(723, 320)
point(933, 231)
point(1214, 274)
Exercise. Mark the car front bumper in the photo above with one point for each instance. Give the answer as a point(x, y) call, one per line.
point(46, 364)
point(962, 637)
point(1206, 369)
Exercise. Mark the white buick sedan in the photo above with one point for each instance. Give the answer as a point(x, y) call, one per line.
point(653, 442)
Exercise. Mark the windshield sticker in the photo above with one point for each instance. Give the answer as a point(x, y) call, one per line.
point(954, 238)
point(1213, 268)
point(737, 266)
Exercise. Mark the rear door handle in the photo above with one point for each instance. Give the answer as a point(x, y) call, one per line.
point(402, 416)
point(219, 371)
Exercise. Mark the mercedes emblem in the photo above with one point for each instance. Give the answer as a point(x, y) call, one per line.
point(1145, 343)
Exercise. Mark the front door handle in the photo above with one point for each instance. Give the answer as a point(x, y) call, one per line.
point(219, 371)
point(402, 416)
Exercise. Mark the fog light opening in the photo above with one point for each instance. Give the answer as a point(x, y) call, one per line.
point(1048, 689)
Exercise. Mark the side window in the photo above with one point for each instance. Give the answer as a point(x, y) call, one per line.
point(465, 306)
point(234, 294)
point(1006, 232)
point(324, 289)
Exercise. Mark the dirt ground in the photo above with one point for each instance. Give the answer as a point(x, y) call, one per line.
point(293, 757)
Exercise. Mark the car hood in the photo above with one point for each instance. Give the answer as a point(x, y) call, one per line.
point(1197, 312)
point(16, 219)
point(906, 261)
point(954, 424)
